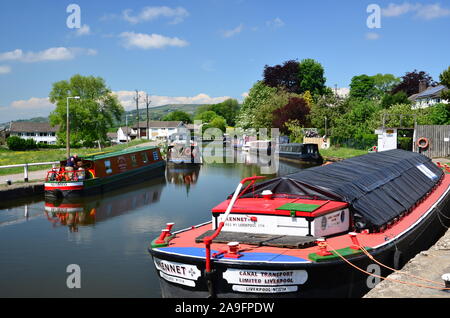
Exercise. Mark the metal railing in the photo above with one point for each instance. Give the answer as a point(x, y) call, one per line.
point(26, 165)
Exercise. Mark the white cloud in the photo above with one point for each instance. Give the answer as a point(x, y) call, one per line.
point(176, 15)
point(422, 11)
point(233, 32)
point(5, 69)
point(51, 54)
point(150, 41)
point(126, 99)
point(33, 103)
point(372, 36)
point(275, 23)
point(84, 30)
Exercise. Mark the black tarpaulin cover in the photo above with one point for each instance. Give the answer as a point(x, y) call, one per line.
point(378, 186)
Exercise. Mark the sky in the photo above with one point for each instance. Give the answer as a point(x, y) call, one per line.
point(205, 51)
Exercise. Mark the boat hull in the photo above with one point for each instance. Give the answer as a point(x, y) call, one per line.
point(58, 190)
point(327, 279)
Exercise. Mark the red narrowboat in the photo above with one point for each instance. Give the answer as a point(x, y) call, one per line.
point(321, 232)
point(102, 172)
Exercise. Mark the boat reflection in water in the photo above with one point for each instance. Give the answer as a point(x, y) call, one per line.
point(183, 175)
point(88, 211)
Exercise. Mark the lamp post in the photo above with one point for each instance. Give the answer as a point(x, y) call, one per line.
point(127, 132)
point(68, 126)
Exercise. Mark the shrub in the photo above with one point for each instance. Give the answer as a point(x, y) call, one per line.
point(18, 144)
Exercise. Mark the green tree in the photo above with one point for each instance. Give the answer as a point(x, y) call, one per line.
point(178, 115)
point(311, 77)
point(439, 114)
point(258, 95)
point(444, 77)
point(91, 116)
point(206, 117)
point(228, 109)
point(398, 98)
point(384, 83)
point(362, 86)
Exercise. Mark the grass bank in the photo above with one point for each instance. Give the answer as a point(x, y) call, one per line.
point(341, 153)
point(8, 157)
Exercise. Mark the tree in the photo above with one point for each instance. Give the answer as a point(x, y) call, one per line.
point(362, 86)
point(258, 95)
point(444, 77)
point(384, 83)
point(178, 115)
point(285, 75)
point(411, 81)
point(311, 77)
point(439, 114)
point(295, 110)
point(206, 117)
point(397, 98)
point(91, 116)
point(227, 109)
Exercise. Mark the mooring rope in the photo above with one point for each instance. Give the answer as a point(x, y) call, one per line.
point(382, 277)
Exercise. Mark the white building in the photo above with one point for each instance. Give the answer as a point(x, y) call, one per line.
point(157, 130)
point(40, 132)
point(428, 97)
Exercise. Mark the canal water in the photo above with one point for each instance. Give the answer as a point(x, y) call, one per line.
point(107, 236)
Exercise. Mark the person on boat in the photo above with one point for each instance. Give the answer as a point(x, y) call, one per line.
point(81, 173)
point(70, 166)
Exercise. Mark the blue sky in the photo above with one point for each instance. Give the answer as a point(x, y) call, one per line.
point(202, 51)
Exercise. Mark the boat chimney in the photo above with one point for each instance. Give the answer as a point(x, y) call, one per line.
point(267, 194)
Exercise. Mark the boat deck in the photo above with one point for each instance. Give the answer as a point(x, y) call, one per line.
point(188, 242)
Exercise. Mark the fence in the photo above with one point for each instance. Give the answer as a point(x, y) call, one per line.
point(26, 165)
point(438, 140)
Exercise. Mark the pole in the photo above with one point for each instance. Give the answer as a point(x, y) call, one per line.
point(147, 102)
point(68, 126)
point(67, 130)
point(137, 113)
point(127, 132)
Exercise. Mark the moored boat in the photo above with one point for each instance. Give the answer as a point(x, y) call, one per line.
point(315, 233)
point(306, 153)
point(102, 172)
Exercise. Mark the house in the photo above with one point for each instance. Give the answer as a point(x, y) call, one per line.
point(161, 129)
point(157, 130)
point(40, 132)
point(428, 97)
point(125, 134)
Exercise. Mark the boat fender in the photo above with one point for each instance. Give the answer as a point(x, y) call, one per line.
point(398, 260)
point(423, 143)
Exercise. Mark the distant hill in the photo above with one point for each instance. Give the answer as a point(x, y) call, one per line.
point(155, 113)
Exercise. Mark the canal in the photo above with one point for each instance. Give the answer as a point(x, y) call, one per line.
point(107, 236)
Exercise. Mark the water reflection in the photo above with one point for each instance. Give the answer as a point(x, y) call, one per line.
point(183, 175)
point(90, 210)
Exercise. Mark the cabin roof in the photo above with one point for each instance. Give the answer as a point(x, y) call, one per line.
point(105, 155)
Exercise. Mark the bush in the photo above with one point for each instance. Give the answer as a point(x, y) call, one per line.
point(405, 143)
point(362, 142)
point(18, 144)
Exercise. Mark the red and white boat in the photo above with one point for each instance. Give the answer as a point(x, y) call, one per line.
point(318, 233)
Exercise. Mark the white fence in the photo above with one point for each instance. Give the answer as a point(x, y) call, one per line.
point(26, 165)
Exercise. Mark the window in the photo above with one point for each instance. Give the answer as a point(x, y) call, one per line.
point(108, 166)
point(155, 156)
point(144, 157)
point(133, 160)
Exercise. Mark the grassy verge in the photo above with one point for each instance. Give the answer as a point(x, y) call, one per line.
point(8, 157)
point(341, 153)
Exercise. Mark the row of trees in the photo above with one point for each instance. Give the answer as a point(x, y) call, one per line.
point(290, 96)
point(293, 95)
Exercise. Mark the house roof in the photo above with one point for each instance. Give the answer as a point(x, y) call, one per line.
point(111, 135)
point(159, 124)
point(430, 92)
point(130, 131)
point(32, 127)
